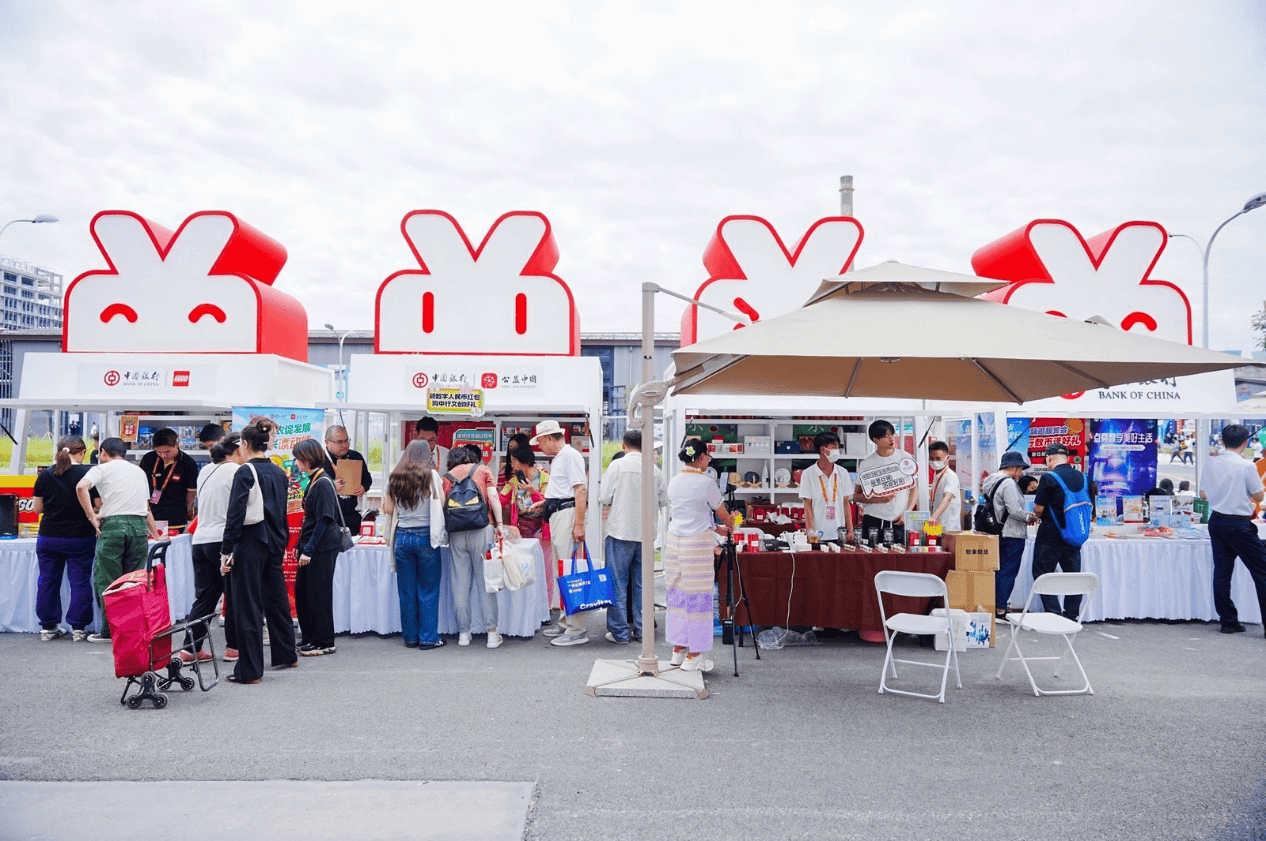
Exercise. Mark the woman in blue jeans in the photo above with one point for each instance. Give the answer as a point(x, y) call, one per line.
point(413, 489)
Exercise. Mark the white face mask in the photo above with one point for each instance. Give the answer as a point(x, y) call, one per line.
point(936, 465)
point(832, 455)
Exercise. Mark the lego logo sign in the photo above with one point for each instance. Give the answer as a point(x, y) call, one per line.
point(180, 379)
point(420, 380)
point(112, 378)
point(488, 381)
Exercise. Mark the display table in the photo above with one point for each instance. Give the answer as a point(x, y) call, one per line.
point(366, 599)
point(826, 589)
point(365, 595)
point(1151, 578)
point(20, 575)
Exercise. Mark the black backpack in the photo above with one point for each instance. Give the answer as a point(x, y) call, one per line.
point(465, 508)
point(984, 519)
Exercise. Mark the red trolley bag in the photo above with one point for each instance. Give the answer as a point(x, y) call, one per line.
point(137, 609)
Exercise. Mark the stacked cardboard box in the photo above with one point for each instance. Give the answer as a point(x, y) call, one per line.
point(970, 584)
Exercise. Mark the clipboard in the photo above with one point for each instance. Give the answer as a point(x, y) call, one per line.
point(349, 470)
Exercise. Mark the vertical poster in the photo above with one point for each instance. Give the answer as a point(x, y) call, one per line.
point(1017, 436)
point(293, 425)
point(1071, 432)
point(1122, 456)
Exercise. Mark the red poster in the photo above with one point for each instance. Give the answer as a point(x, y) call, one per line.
point(1071, 432)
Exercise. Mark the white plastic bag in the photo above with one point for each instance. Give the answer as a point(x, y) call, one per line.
point(516, 564)
point(494, 581)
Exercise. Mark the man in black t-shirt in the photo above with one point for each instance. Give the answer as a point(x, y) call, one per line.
point(1049, 549)
point(338, 447)
point(173, 479)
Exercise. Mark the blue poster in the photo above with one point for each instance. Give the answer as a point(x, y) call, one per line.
point(1122, 456)
point(1018, 435)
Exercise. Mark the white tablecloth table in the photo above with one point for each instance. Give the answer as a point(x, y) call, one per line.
point(365, 595)
point(366, 598)
point(20, 574)
point(1151, 578)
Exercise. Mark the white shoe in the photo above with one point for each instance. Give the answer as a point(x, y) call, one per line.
point(678, 657)
point(78, 636)
point(571, 639)
point(495, 639)
point(463, 638)
point(55, 634)
point(698, 663)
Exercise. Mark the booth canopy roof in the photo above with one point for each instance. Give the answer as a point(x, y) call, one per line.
point(892, 273)
point(920, 343)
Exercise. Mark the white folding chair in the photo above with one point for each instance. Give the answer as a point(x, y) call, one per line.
point(1052, 624)
point(919, 585)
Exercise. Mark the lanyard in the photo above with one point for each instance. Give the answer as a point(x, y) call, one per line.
point(835, 481)
point(158, 466)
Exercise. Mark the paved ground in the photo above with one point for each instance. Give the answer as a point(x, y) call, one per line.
point(800, 745)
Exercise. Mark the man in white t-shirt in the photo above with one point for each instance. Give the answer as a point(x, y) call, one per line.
point(886, 509)
point(565, 503)
point(1231, 484)
point(124, 523)
point(827, 491)
point(947, 503)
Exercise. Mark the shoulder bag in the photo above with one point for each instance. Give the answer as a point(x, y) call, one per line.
point(439, 534)
point(346, 542)
point(254, 502)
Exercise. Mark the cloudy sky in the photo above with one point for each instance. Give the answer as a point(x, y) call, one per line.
point(635, 128)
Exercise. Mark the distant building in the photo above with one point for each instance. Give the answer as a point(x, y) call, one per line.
point(32, 297)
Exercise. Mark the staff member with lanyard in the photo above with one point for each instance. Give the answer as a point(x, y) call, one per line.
point(1231, 484)
point(828, 498)
point(564, 506)
point(173, 480)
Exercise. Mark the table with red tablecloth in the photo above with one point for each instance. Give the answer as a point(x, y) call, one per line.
point(827, 589)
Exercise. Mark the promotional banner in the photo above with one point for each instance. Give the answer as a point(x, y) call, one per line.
point(1071, 432)
point(1122, 456)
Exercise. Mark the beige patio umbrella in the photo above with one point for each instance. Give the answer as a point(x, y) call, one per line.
point(872, 334)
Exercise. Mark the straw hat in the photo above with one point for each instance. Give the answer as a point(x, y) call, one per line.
point(544, 429)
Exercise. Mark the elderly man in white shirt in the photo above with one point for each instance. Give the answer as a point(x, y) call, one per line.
point(621, 496)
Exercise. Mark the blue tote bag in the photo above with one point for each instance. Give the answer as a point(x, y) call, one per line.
point(587, 590)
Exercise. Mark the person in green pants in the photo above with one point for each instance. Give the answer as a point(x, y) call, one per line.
point(123, 524)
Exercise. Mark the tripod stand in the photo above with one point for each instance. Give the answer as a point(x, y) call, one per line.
point(733, 572)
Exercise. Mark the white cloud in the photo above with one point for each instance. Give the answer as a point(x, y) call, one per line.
point(635, 129)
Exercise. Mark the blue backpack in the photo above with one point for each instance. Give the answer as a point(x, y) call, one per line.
point(1078, 512)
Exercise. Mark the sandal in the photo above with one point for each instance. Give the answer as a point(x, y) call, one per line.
point(317, 652)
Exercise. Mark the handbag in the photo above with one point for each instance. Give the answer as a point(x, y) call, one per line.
point(494, 578)
point(517, 567)
point(439, 534)
point(254, 501)
point(346, 543)
point(587, 590)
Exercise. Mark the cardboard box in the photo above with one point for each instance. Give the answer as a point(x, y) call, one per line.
point(972, 550)
point(959, 620)
point(969, 590)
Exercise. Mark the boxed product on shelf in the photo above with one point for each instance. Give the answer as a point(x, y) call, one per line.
point(758, 444)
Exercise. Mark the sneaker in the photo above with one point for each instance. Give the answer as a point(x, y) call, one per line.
point(611, 638)
point(187, 658)
point(495, 639)
point(54, 634)
point(463, 638)
point(428, 646)
point(99, 638)
point(230, 655)
point(571, 639)
point(78, 636)
point(698, 663)
point(677, 658)
point(554, 630)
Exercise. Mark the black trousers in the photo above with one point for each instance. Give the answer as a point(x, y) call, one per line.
point(259, 592)
point(1046, 558)
point(314, 600)
point(208, 586)
point(1234, 537)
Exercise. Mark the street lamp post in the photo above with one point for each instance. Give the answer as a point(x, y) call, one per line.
point(342, 370)
point(1252, 204)
point(38, 220)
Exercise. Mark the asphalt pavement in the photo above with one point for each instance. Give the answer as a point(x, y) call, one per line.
point(798, 745)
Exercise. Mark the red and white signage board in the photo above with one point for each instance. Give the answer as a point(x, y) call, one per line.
point(207, 288)
point(753, 274)
point(498, 298)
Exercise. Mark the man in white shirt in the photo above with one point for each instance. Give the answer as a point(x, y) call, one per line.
point(886, 509)
point(947, 503)
point(428, 429)
point(1231, 484)
point(124, 523)
point(827, 491)
point(565, 504)
point(621, 495)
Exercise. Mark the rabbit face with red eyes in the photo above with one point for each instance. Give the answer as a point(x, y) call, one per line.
point(752, 272)
point(1054, 270)
point(205, 289)
point(498, 298)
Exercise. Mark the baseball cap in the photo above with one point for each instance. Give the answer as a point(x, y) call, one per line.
point(1056, 450)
